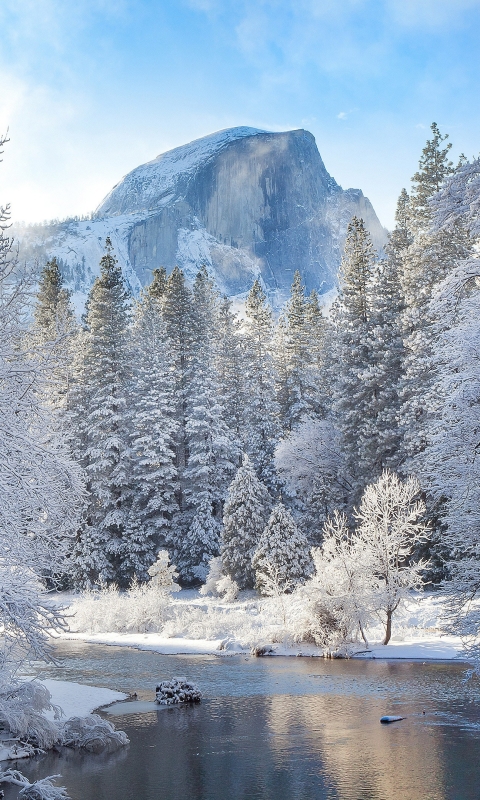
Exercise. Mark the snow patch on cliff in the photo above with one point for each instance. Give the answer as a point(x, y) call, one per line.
point(153, 184)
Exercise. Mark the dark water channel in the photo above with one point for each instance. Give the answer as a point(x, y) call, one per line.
point(278, 729)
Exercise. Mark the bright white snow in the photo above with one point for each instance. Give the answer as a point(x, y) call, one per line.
point(77, 700)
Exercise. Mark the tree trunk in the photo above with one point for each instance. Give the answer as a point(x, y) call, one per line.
point(388, 627)
point(363, 634)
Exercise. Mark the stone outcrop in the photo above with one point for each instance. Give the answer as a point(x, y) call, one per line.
point(245, 202)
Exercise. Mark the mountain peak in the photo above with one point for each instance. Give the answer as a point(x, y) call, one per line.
point(155, 183)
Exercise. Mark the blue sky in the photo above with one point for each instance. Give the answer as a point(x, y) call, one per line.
point(93, 88)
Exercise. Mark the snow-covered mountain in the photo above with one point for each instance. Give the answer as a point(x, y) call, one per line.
point(243, 201)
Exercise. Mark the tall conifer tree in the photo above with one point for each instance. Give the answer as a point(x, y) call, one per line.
point(354, 402)
point(153, 475)
point(261, 413)
point(100, 418)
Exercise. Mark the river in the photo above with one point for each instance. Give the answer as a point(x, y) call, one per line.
point(276, 729)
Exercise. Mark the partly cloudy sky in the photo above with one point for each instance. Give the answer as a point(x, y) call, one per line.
point(93, 88)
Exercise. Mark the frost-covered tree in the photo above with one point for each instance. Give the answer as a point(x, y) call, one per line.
point(340, 590)
point(299, 339)
point(282, 554)
point(200, 544)
point(434, 166)
point(229, 367)
point(162, 574)
point(354, 394)
point(55, 332)
point(384, 378)
point(40, 488)
point(218, 584)
point(390, 527)
point(245, 515)
point(100, 417)
point(177, 309)
point(261, 412)
point(312, 467)
point(153, 428)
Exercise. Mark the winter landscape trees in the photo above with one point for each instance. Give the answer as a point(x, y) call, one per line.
point(238, 443)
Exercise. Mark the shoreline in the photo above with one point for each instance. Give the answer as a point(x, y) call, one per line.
point(436, 648)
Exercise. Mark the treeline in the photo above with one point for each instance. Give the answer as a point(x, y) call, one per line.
point(162, 397)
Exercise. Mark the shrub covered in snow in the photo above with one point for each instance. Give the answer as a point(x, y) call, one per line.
point(163, 575)
point(218, 584)
point(22, 707)
point(92, 733)
point(178, 690)
point(43, 789)
point(142, 608)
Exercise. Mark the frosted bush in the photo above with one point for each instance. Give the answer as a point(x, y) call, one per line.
point(92, 733)
point(227, 589)
point(22, 707)
point(43, 789)
point(218, 584)
point(163, 575)
point(178, 690)
point(142, 608)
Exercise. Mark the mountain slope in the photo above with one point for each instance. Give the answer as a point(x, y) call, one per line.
point(245, 202)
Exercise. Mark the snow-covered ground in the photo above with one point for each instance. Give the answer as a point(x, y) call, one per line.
point(77, 700)
point(199, 625)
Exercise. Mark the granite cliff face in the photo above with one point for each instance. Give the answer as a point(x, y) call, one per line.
point(243, 201)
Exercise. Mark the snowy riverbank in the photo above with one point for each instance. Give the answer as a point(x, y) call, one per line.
point(78, 700)
point(199, 625)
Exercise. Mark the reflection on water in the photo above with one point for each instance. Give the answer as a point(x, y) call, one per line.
point(278, 729)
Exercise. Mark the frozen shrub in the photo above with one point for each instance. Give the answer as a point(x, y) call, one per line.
point(178, 690)
point(22, 707)
point(218, 584)
point(92, 733)
point(163, 575)
point(43, 789)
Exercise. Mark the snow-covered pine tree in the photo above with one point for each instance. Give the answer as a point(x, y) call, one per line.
point(434, 166)
point(261, 413)
point(245, 516)
point(283, 556)
point(229, 367)
point(53, 313)
point(298, 343)
point(153, 475)
point(447, 466)
point(177, 309)
point(382, 448)
point(199, 544)
point(157, 288)
point(354, 395)
point(212, 451)
point(100, 417)
point(54, 332)
point(428, 259)
point(317, 373)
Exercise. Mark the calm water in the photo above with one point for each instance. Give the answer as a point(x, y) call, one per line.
point(278, 729)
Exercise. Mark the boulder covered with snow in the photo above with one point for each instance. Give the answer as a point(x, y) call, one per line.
point(178, 690)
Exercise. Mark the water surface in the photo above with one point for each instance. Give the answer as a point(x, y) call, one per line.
point(277, 729)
